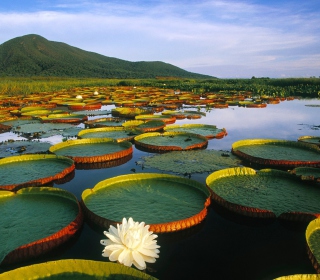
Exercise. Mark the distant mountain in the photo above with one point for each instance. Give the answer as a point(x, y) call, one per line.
point(33, 55)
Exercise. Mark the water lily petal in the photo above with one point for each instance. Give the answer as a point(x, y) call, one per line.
point(138, 258)
point(114, 255)
point(150, 253)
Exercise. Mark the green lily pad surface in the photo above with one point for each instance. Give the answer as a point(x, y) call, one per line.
point(273, 190)
point(149, 197)
point(32, 214)
point(191, 161)
point(75, 269)
point(313, 242)
point(277, 152)
point(104, 122)
point(118, 133)
point(92, 150)
point(170, 141)
point(26, 170)
point(209, 131)
point(310, 139)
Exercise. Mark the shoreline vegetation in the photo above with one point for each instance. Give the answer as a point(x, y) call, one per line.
point(275, 87)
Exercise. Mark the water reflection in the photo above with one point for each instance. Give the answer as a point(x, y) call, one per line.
point(222, 248)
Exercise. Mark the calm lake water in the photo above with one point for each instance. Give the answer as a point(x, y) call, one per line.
point(222, 247)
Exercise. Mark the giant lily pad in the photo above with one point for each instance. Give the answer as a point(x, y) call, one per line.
point(33, 170)
point(127, 112)
point(188, 162)
point(310, 139)
point(104, 122)
point(64, 118)
point(313, 243)
point(35, 220)
point(165, 202)
point(170, 141)
point(264, 193)
point(167, 119)
point(307, 173)
point(145, 126)
point(277, 153)
point(92, 150)
point(118, 133)
point(75, 269)
point(209, 131)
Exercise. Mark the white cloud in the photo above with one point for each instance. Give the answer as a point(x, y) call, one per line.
point(207, 33)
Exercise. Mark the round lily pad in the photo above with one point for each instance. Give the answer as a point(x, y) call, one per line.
point(33, 170)
point(264, 193)
point(209, 131)
point(307, 173)
point(145, 126)
point(277, 153)
point(188, 162)
point(170, 141)
point(104, 122)
point(92, 150)
point(167, 119)
point(64, 118)
point(310, 139)
point(75, 269)
point(165, 202)
point(35, 220)
point(119, 133)
point(313, 243)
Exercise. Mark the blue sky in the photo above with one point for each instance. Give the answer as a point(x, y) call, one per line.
point(221, 38)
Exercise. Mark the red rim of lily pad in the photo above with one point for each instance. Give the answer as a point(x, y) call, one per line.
point(313, 227)
point(272, 144)
point(139, 141)
point(40, 181)
point(170, 226)
point(301, 216)
point(125, 149)
point(47, 244)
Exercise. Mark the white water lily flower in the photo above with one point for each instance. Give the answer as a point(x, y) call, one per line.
point(79, 97)
point(131, 243)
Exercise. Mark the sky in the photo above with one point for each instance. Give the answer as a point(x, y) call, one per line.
point(220, 38)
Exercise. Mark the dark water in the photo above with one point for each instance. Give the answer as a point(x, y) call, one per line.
point(223, 246)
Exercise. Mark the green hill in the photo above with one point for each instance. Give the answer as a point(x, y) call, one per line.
point(33, 55)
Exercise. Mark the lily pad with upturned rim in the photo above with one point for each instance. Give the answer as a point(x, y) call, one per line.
point(165, 202)
point(104, 122)
point(188, 162)
point(170, 141)
point(307, 173)
point(277, 153)
point(33, 170)
point(265, 193)
point(92, 150)
point(35, 220)
point(117, 133)
point(209, 131)
point(167, 119)
point(313, 243)
point(145, 126)
point(75, 269)
point(64, 118)
point(310, 140)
